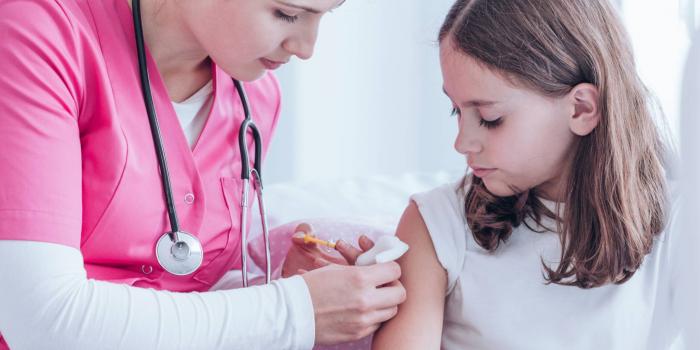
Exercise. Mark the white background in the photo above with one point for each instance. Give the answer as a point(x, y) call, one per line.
point(370, 100)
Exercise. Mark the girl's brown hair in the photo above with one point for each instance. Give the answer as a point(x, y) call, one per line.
point(616, 196)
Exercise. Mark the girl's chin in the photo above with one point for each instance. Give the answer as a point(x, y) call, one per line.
point(498, 188)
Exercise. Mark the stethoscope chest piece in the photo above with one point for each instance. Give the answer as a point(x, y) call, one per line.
point(181, 257)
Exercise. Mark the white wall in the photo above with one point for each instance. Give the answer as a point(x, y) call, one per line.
point(660, 31)
point(370, 100)
point(689, 291)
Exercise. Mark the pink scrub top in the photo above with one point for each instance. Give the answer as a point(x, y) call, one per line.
point(78, 165)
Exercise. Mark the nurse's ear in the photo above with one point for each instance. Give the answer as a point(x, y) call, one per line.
point(584, 106)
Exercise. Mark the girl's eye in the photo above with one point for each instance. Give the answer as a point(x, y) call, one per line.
point(490, 124)
point(285, 17)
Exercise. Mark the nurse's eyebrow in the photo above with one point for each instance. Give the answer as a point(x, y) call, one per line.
point(472, 103)
point(339, 4)
point(306, 8)
point(300, 7)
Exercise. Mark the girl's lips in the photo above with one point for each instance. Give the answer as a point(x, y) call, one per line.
point(482, 172)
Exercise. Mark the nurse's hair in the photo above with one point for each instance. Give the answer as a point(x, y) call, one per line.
point(616, 193)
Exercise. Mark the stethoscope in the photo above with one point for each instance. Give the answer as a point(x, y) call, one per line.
point(178, 252)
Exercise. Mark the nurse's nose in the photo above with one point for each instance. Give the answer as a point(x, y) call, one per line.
point(467, 143)
point(302, 44)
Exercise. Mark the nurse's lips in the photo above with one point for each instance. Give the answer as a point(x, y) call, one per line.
point(271, 65)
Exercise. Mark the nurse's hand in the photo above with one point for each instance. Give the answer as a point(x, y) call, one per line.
point(351, 302)
point(307, 256)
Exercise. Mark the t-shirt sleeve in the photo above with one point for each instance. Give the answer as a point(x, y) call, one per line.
point(441, 212)
point(40, 98)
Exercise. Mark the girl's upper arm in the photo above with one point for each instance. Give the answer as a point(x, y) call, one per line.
point(418, 324)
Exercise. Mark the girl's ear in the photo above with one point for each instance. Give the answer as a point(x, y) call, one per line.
point(584, 100)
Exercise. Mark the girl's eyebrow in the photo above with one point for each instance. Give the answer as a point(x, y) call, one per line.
point(472, 103)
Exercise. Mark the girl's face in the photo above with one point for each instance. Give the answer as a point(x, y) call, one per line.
point(246, 37)
point(513, 138)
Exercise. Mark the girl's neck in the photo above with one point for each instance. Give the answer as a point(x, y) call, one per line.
point(556, 189)
point(553, 192)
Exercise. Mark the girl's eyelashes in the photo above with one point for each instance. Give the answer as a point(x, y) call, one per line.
point(285, 17)
point(490, 124)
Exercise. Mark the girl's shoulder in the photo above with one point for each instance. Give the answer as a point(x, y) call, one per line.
point(442, 210)
point(448, 195)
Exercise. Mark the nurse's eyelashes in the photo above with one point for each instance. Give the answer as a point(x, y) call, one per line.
point(285, 17)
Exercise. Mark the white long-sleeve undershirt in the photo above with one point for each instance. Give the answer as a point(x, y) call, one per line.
point(47, 302)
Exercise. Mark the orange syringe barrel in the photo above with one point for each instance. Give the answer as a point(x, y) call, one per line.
point(311, 239)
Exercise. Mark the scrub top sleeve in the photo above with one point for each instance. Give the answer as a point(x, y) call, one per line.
point(40, 94)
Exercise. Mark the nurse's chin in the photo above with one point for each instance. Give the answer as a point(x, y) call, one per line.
point(252, 76)
point(247, 74)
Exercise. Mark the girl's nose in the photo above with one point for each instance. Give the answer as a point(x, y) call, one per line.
point(467, 144)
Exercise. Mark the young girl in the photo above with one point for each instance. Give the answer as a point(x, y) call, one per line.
point(555, 239)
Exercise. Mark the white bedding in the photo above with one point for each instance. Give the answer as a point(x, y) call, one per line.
point(336, 209)
point(380, 199)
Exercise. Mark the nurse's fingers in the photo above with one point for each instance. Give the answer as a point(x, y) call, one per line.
point(304, 228)
point(381, 274)
point(348, 252)
point(391, 284)
point(365, 332)
point(389, 296)
point(321, 262)
point(383, 315)
point(298, 237)
point(298, 240)
point(365, 243)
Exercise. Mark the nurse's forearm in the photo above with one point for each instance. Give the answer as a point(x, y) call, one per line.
point(47, 302)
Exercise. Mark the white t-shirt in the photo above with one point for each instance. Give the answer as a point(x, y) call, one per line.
point(500, 300)
point(193, 112)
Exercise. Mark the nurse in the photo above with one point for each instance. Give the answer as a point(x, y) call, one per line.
point(81, 197)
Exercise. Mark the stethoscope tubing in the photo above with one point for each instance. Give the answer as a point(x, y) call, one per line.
point(153, 121)
point(246, 170)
